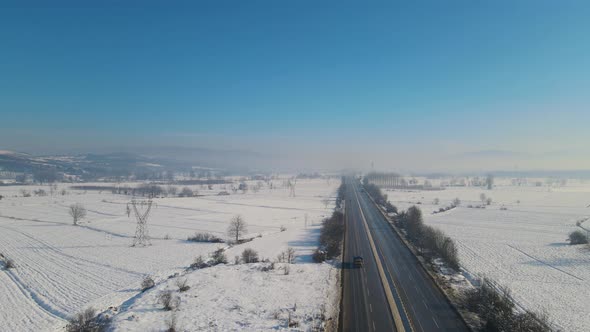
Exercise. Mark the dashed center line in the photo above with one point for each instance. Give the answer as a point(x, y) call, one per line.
point(435, 322)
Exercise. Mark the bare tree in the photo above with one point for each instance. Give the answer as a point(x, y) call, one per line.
point(482, 197)
point(52, 189)
point(249, 256)
point(290, 255)
point(172, 190)
point(186, 192)
point(237, 227)
point(78, 212)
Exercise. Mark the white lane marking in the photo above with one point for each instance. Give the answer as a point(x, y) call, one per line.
point(426, 305)
point(371, 307)
point(374, 326)
point(435, 322)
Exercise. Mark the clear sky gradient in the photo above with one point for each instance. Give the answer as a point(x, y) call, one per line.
point(408, 84)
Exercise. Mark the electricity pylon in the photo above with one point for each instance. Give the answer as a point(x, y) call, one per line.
point(142, 237)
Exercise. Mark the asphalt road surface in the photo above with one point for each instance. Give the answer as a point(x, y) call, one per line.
point(391, 282)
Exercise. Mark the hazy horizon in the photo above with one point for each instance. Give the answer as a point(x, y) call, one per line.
point(458, 86)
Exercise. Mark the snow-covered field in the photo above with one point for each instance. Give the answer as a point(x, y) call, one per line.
point(62, 268)
point(522, 246)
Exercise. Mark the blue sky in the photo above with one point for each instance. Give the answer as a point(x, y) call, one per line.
point(440, 78)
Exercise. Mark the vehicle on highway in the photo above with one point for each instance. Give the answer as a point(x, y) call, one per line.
point(357, 261)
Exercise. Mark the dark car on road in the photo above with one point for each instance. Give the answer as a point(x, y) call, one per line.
point(357, 261)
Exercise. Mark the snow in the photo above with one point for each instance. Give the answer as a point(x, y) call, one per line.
point(237, 298)
point(62, 268)
point(523, 247)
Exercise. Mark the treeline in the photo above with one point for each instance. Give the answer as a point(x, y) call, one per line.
point(332, 231)
point(331, 237)
point(497, 310)
point(427, 237)
point(378, 196)
point(145, 190)
point(341, 193)
point(422, 236)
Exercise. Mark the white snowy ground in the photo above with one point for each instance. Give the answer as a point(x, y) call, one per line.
point(62, 268)
point(523, 247)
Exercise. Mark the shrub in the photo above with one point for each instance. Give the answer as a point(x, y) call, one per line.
point(283, 228)
point(318, 256)
point(199, 263)
point(88, 321)
point(268, 267)
point(40, 192)
point(249, 256)
point(181, 284)
point(495, 307)
point(168, 300)
point(204, 237)
point(9, 263)
point(219, 257)
point(578, 237)
point(147, 283)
